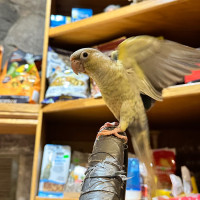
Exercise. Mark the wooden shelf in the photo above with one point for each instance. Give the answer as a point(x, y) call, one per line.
point(70, 198)
point(174, 19)
point(67, 196)
point(180, 108)
point(18, 118)
point(182, 100)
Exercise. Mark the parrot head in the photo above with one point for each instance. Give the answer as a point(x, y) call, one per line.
point(85, 60)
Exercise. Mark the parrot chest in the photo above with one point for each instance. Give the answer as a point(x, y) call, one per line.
point(116, 95)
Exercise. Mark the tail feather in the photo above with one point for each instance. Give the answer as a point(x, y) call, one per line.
point(141, 145)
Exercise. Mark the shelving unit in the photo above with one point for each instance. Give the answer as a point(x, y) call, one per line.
point(76, 122)
point(18, 118)
point(175, 19)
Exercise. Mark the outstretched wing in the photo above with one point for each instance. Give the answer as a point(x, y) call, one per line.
point(156, 63)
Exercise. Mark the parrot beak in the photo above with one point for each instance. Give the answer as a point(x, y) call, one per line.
point(77, 66)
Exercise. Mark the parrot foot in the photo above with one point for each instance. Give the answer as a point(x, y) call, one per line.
point(115, 132)
point(108, 124)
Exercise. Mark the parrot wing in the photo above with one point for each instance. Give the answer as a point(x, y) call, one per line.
point(153, 64)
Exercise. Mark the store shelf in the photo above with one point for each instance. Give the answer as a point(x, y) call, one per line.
point(180, 108)
point(18, 118)
point(40, 198)
point(182, 100)
point(175, 19)
point(67, 196)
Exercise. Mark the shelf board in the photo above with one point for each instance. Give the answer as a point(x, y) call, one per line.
point(174, 19)
point(181, 90)
point(18, 118)
point(47, 198)
point(183, 100)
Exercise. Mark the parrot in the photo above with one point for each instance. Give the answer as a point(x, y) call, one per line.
point(141, 65)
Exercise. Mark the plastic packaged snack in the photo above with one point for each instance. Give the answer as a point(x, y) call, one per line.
point(95, 91)
point(177, 185)
point(164, 162)
point(187, 184)
point(80, 13)
point(75, 179)
point(79, 164)
point(64, 84)
point(1, 56)
point(55, 170)
point(133, 188)
point(20, 80)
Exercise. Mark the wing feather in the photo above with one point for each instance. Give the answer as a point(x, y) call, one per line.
point(157, 63)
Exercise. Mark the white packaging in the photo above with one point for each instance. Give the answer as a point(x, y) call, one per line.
point(54, 170)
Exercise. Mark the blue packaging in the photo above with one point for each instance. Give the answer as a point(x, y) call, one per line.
point(58, 20)
point(133, 182)
point(81, 13)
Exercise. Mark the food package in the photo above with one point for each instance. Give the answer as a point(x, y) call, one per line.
point(190, 197)
point(1, 56)
point(55, 170)
point(164, 162)
point(133, 187)
point(187, 184)
point(76, 177)
point(79, 164)
point(80, 13)
point(58, 20)
point(20, 80)
point(64, 84)
point(95, 91)
point(177, 185)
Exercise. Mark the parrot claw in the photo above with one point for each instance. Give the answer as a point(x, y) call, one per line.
point(115, 132)
point(108, 124)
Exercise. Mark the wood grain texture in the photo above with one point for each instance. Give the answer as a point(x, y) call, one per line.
point(66, 198)
point(174, 19)
point(18, 118)
point(180, 103)
point(20, 107)
point(37, 159)
point(45, 50)
point(17, 126)
point(73, 104)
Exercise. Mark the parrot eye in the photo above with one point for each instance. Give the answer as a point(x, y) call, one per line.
point(85, 54)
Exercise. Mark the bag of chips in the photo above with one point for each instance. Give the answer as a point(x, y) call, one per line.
point(64, 84)
point(1, 56)
point(20, 80)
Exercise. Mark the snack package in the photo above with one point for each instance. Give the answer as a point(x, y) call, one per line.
point(76, 177)
point(95, 91)
point(190, 197)
point(20, 80)
point(164, 162)
point(58, 20)
point(64, 84)
point(133, 187)
point(55, 170)
point(187, 184)
point(80, 13)
point(177, 185)
point(79, 164)
point(1, 56)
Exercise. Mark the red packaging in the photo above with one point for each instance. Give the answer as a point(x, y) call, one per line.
point(194, 76)
point(164, 163)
